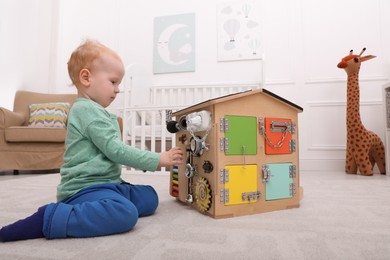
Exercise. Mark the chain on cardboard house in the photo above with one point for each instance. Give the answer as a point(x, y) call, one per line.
point(241, 155)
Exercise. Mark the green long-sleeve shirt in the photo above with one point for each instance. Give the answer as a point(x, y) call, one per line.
point(94, 150)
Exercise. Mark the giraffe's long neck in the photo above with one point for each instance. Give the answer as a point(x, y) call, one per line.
point(353, 103)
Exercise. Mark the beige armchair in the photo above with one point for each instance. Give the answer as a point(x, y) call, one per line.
point(30, 148)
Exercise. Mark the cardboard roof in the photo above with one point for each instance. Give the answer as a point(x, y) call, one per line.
point(240, 95)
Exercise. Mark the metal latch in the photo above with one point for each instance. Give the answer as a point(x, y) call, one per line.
point(293, 189)
point(280, 127)
point(224, 144)
point(224, 196)
point(293, 127)
point(293, 171)
point(261, 125)
point(293, 146)
point(168, 115)
point(266, 173)
point(224, 124)
point(248, 196)
point(224, 176)
point(277, 126)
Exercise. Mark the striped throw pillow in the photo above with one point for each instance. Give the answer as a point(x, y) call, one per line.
point(48, 115)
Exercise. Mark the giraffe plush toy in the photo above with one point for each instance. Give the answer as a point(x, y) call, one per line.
point(364, 148)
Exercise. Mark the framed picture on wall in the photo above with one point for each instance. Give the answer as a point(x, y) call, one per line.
point(174, 43)
point(239, 30)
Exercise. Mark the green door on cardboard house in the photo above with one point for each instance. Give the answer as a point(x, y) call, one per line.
point(240, 135)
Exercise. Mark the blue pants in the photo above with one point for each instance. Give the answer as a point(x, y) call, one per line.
point(99, 210)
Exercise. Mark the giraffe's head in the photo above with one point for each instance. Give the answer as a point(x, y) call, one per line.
point(351, 63)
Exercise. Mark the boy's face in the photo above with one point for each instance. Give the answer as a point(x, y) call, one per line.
point(104, 80)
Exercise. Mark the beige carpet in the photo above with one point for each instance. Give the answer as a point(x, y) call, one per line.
point(341, 217)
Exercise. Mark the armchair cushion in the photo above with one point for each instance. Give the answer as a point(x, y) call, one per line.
point(49, 115)
point(35, 134)
point(10, 118)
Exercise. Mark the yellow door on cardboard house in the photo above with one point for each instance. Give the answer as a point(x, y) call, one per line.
point(240, 184)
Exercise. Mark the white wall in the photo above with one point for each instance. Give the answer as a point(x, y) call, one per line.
point(303, 42)
point(329, 29)
point(127, 27)
point(26, 31)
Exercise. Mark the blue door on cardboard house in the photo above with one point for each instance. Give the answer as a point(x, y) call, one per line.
point(278, 178)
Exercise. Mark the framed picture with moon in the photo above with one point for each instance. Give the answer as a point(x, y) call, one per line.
point(174, 43)
point(239, 30)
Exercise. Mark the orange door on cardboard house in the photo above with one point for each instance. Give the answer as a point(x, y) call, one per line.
point(278, 136)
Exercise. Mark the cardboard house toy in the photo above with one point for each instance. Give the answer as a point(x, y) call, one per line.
point(241, 154)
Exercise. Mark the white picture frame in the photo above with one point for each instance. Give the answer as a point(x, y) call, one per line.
point(174, 43)
point(239, 31)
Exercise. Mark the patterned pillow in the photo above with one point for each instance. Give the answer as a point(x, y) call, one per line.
point(48, 115)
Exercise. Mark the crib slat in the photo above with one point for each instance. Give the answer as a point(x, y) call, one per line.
point(153, 132)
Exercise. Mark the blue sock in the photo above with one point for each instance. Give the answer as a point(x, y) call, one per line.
point(28, 228)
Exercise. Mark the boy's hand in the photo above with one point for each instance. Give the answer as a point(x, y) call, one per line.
point(171, 157)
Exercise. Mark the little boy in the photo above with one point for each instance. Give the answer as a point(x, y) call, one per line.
point(92, 200)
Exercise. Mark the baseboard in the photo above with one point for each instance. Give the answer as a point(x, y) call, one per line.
point(327, 165)
point(332, 165)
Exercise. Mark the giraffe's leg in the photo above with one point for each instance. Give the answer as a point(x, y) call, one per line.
point(364, 164)
point(350, 164)
point(372, 159)
point(378, 154)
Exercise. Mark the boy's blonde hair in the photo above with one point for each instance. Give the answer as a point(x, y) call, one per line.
point(83, 58)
